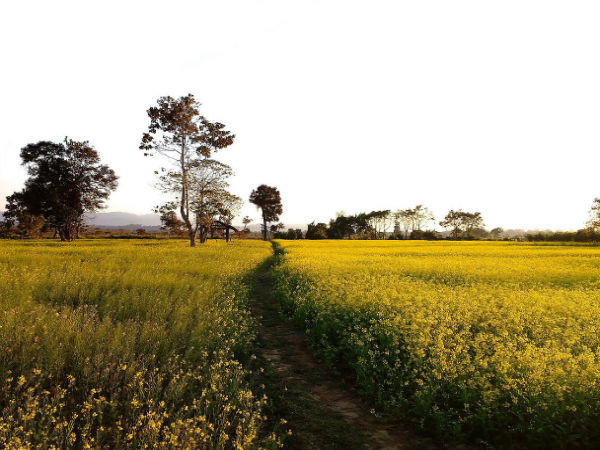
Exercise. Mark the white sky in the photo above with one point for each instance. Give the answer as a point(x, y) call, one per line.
point(343, 105)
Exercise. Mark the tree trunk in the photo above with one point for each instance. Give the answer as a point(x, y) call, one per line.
point(66, 233)
point(264, 230)
point(227, 234)
point(192, 236)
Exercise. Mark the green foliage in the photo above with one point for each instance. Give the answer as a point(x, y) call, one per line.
point(65, 181)
point(290, 234)
point(316, 231)
point(268, 199)
point(587, 235)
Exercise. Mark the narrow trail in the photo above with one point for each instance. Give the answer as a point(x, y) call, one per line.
point(322, 411)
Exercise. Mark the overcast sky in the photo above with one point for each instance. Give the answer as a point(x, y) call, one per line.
point(353, 106)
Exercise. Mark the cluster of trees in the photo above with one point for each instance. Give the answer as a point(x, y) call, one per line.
point(197, 183)
point(66, 180)
point(411, 223)
point(291, 233)
point(583, 235)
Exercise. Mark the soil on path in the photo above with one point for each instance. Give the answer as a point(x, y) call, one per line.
point(321, 409)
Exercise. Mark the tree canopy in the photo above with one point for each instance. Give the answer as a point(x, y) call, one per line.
point(462, 223)
point(268, 199)
point(65, 181)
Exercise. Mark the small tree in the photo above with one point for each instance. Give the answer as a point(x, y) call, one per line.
point(497, 232)
point(463, 223)
point(268, 199)
point(21, 223)
point(246, 221)
point(66, 180)
point(169, 220)
point(473, 224)
point(180, 134)
point(316, 231)
point(453, 222)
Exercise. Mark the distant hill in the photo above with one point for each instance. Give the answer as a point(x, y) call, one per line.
point(130, 221)
point(122, 219)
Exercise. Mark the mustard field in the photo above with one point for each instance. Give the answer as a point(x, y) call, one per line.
point(130, 344)
point(139, 344)
point(490, 342)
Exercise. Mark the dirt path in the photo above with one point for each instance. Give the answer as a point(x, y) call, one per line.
point(322, 411)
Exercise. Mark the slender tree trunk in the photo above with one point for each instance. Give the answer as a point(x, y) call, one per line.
point(184, 206)
point(264, 230)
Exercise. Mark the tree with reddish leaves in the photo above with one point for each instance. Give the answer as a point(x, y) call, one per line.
point(66, 180)
point(268, 199)
point(180, 134)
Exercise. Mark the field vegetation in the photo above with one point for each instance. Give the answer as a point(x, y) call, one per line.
point(493, 342)
point(128, 344)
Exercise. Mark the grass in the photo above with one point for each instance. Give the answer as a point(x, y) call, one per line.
point(496, 343)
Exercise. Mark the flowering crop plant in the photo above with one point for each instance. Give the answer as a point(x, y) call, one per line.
point(495, 342)
point(130, 344)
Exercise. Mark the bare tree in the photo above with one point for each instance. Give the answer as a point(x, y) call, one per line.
point(413, 219)
point(380, 221)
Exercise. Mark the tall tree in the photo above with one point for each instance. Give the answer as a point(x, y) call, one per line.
point(170, 222)
point(66, 180)
point(268, 199)
point(412, 219)
point(179, 133)
point(380, 221)
point(421, 217)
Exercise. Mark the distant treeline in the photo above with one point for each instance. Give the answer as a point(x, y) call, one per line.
point(412, 223)
point(583, 235)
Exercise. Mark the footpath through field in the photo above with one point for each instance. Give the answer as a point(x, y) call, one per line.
point(321, 409)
